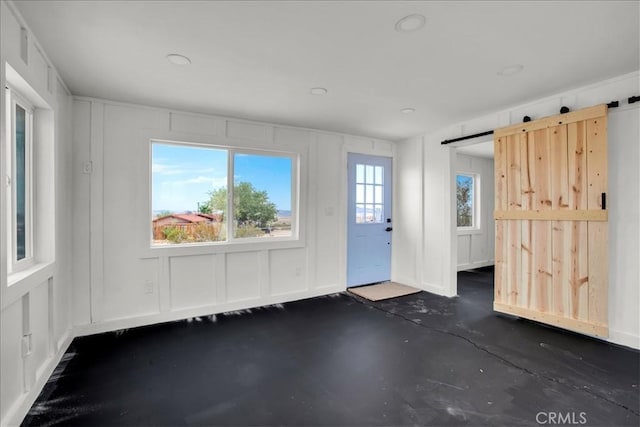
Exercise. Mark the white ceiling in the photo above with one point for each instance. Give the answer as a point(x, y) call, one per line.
point(258, 60)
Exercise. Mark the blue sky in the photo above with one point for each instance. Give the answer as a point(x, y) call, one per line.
point(463, 179)
point(183, 175)
point(466, 180)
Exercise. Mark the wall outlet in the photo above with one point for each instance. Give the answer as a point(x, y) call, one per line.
point(148, 287)
point(87, 167)
point(26, 345)
point(298, 272)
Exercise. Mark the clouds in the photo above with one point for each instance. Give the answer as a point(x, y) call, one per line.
point(184, 175)
point(180, 186)
point(215, 182)
point(161, 167)
point(182, 192)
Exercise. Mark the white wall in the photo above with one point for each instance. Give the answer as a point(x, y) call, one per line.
point(422, 247)
point(407, 227)
point(36, 301)
point(435, 266)
point(113, 258)
point(476, 248)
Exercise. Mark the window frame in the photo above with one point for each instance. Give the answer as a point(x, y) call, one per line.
point(231, 151)
point(476, 225)
point(14, 99)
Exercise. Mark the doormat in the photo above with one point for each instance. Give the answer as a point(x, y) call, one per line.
point(383, 291)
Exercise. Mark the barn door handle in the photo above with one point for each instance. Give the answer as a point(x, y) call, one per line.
point(604, 201)
point(388, 229)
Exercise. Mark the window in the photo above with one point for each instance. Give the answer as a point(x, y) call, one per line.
point(262, 195)
point(200, 193)
point(467, 201)
point(20, 197)
point(369, 194)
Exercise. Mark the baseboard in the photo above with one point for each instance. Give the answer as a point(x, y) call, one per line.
point(207, 310)
point(406, 281)
point(16, 414)
point(624, 338)
point(436, 289)
point(471, 266)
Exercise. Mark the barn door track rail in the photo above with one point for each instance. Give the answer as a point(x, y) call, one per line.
point(525, 119)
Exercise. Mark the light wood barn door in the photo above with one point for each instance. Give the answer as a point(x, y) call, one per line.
point(551, 262)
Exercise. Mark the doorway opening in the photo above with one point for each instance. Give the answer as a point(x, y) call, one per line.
point(475, 226)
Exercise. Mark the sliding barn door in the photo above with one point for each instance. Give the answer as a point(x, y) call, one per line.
point(551, 261)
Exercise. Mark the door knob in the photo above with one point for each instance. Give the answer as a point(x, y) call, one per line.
point(388, 229)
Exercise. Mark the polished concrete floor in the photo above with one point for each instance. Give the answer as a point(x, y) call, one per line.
point(340, 360)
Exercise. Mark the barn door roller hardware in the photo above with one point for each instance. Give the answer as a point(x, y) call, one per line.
point(563, 110)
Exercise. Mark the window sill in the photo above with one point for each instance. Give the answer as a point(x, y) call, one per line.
point(39, 269)
point(467, 231)
point(23, 281)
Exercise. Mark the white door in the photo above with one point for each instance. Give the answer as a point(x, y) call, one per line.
point(369, 219)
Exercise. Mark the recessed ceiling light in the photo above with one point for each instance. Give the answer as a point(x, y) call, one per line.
point(511, 70)
point(177, 59)
point(318, 91)
point(408, 110)
point(411, 23)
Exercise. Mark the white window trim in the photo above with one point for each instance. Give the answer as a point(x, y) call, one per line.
point(476, 227)
point(14, 98)
point(231, 241)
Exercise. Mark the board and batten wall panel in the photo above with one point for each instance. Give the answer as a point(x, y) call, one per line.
point(624, 225)
point(81, 189)
point(243, 284)
point(288, 271)
point(407, 217)
point(36, 302)
point(326, 149)
point(11, 365)
point(192, 281)
point(140, 285)
point(476, 248)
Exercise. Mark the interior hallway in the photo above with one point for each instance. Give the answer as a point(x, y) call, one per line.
point(339, 360)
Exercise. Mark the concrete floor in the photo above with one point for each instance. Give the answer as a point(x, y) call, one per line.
point(340, 360)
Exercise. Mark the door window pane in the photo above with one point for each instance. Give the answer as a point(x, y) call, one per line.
point(378, 177)
point(360, 173)
point(378, 194)
point(369, 174)
point(369, 213)
point(378, 210)
point(359, 193)
point(369, 193)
